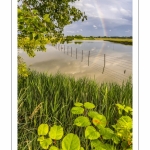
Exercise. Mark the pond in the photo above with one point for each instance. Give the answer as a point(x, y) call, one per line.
point(102, 61)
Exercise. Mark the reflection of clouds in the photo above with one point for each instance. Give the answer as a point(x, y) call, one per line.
point(54, 60)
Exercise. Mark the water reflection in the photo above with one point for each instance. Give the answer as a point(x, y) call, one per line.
point(102, 61)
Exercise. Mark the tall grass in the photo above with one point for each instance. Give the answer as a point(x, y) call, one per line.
point(49, 98)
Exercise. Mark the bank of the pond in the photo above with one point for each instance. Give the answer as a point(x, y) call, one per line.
point(125, 41)
point(49, 98)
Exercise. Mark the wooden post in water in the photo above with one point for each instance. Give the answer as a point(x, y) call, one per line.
point(67, 50)
point(104, 64)
point(76, 53)
point(82, 56)
point(88, 57)
point(104, 60)
point(71, 51)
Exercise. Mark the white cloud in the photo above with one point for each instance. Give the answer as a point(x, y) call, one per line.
point(70, 31)
point(89, 5)
point(127, 31)
point(114, 9)
point(113, 14)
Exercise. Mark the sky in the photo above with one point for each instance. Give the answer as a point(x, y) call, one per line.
point(104, 18)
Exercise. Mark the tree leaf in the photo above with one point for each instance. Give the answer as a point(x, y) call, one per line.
point(91, 133)
point(31, 36)
point(36, 37)
point(71, 142)
point(43, 129)
point(82, 121)
point(56, 132)
point(77, 110)
point(89, 105)
point(46, 18)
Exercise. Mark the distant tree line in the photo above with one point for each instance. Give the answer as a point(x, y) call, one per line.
point(72, 37)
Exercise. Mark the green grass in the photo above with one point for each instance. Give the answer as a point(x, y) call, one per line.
point(125, 41)
point(49, 98)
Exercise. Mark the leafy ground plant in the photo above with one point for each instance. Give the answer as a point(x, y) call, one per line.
point(100, 136)
point(48, 138)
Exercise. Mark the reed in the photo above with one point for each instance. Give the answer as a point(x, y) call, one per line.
point(44, 98)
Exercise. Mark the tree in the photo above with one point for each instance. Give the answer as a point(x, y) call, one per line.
point(42, 21)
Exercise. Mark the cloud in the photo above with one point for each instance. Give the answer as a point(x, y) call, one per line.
point(70, 31)
point(89, 5)
point(108, 15)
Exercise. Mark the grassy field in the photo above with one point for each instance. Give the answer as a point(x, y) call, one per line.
point(49, 98)
point(125, 41)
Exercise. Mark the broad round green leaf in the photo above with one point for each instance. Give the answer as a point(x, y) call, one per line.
point(91, 133)
point(54, 148)
point(77, 110)
point(93, 114)
point(81, 148)
point(97, 145)
point(107, 133)
point(41, 138)
point(56, 132)
point(71, 142)
point(43, 129)
point(78, 104)
point(89, 105)
point(99, 120)
point(45, 143)
point(82, 121)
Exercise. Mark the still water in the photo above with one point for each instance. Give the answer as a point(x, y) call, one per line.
point(99, 60)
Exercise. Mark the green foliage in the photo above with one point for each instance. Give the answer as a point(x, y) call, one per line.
point(78, 37)
point(43, 129)
point(100, 136)
point(91, 133)
point(82, 121)
point(41, 22)
point(49, 99)
point(71, 142)
point(122, 133)
point(56, 132)
point(22, 68)
point(77, 110)
point(89, 105)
